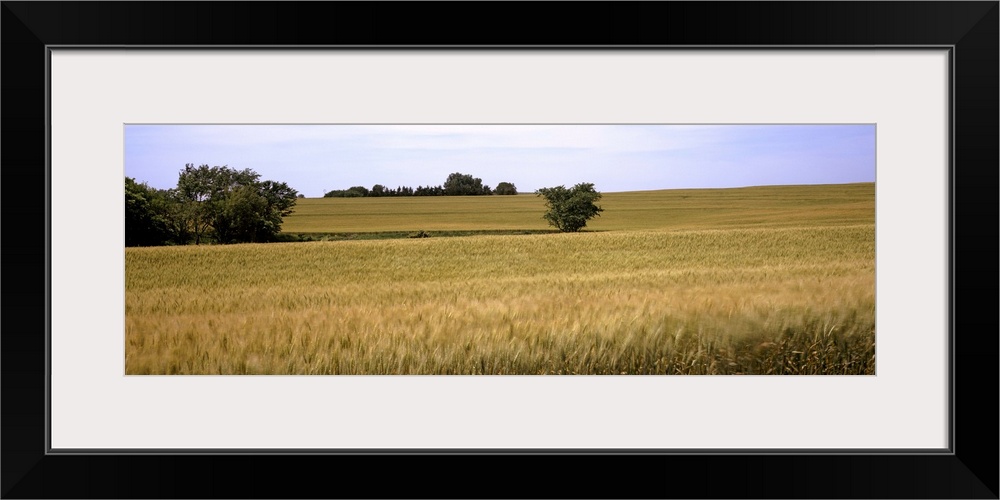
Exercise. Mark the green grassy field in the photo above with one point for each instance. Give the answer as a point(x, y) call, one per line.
point(770, 280)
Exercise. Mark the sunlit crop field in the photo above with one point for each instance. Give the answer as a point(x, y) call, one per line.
point(770, 281)
point(769, 206)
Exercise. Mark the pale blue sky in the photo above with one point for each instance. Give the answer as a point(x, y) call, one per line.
point(314, 159)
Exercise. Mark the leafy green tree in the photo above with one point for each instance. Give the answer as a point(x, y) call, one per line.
point(203, 190)
point(351, 192)
point(195, 189)
point(505, 188)
point(241, 217)
point(232, 205)
point(570, 209)
point(177, 215)
point(148, 219)
point(279, 203)
point(459, 184)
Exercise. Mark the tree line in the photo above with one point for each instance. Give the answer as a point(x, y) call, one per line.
point(209, 204)
point(457, 184)
point(225, 205)
point(567, 209)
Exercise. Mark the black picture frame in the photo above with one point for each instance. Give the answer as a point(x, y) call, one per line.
point(968, 470)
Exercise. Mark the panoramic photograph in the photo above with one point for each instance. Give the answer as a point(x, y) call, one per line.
point(587, 249)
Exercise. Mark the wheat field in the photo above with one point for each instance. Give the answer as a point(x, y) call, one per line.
point(765, 206)
point(753, 281)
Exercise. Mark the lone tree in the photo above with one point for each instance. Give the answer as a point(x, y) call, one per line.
point(505, 188)
point(570, 209)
